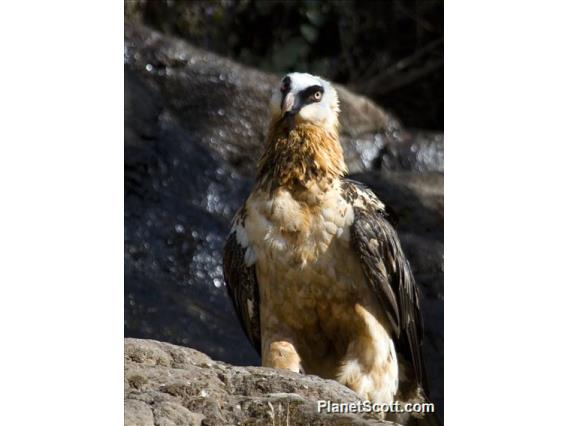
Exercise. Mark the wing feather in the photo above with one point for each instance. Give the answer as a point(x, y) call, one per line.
point(242, 285)
point(387, 271)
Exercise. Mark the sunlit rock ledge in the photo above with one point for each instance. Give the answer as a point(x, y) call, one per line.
point(171, 385)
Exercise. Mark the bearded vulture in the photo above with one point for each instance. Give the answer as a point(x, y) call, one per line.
point(315, 270)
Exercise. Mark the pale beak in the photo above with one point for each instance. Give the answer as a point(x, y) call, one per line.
point(287, 103)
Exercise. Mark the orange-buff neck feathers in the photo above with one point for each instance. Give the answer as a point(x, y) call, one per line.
point(296, 155)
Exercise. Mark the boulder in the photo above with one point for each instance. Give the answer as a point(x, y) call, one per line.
point(167, 385)
point(223, 105)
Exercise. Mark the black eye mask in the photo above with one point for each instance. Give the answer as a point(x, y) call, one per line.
point(307, 94)
point(303, 98)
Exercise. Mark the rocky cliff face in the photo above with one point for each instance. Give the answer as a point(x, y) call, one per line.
point(194, 128)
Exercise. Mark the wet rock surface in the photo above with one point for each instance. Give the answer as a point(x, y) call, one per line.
point(194, 128)
point(417, 151)
point(170, 385)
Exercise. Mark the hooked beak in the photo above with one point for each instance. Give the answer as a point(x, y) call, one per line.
point(288, 105)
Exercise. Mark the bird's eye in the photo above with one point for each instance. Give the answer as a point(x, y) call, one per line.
point(317, 96)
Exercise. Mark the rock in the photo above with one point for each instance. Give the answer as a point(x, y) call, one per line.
point(417, 151)
point(194, 127)
point(179, 200)
point(170, 385)
point(137, 413)
point(224, 104)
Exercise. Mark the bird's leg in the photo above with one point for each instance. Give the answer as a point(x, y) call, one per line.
point(281, 353)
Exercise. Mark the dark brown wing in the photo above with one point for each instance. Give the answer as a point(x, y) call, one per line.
point(242, 286)
point(387, 271)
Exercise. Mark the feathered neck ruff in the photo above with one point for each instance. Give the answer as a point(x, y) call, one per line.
point(298, 155)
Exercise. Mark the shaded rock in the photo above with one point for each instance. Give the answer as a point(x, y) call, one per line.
point(416, 199)
point(179, 200)
point(170, 385)
point(224, 104)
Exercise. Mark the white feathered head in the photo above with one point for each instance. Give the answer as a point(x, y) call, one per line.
point(305, 97)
